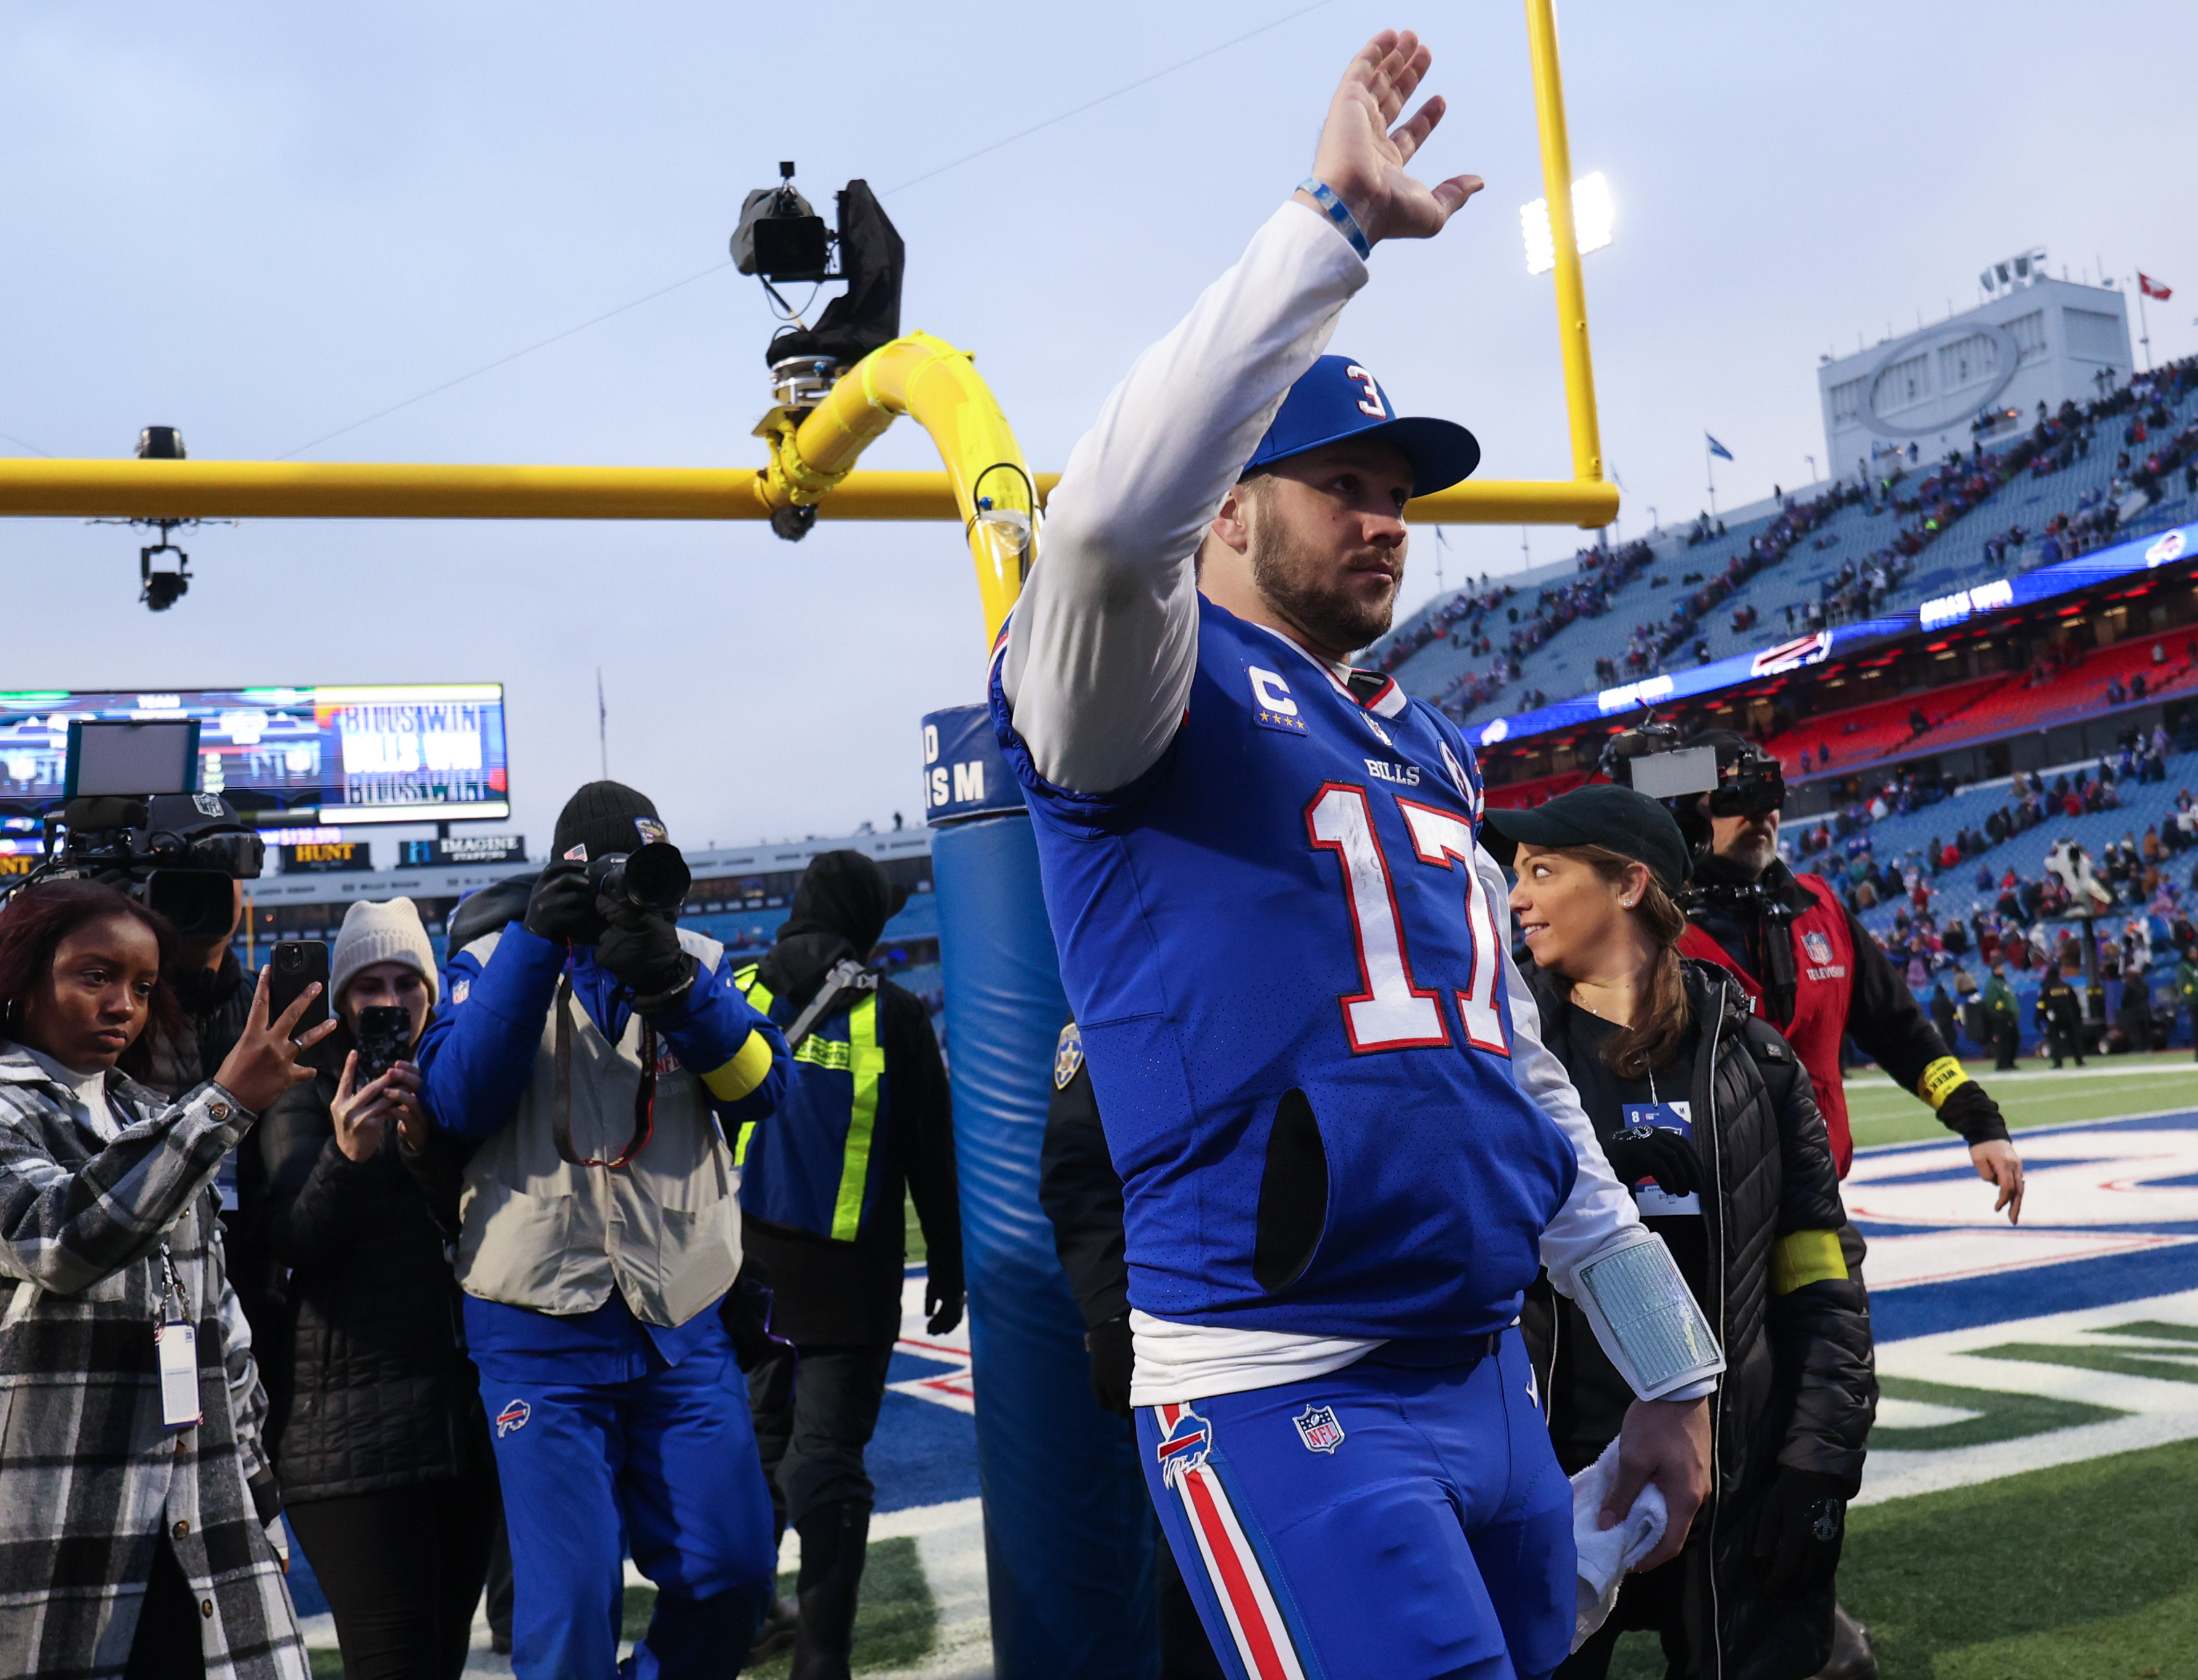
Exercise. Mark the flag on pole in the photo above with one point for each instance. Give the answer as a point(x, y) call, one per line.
point(2153, 288)
point(1717, 449)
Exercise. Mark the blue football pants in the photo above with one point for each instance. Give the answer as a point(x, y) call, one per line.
point(665, 1465)
point(1381, 1521)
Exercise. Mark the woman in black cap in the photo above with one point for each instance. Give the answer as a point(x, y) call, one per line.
point(1704, 1110)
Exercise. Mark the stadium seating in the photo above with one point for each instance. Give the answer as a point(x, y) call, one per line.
point(1563, 665)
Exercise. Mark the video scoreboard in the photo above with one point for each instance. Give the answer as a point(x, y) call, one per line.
point(429, 753)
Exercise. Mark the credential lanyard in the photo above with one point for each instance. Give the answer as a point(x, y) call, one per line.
point(176, 1340)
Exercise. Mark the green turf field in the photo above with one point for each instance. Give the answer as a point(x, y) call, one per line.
point(2085, 1572)
point(895, 1620)
point(1879, 1111)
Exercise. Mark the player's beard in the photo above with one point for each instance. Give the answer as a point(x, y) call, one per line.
point(1295, 583)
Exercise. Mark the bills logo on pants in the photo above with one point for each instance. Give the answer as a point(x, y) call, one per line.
point(513, 1416)
point(1263, 1644)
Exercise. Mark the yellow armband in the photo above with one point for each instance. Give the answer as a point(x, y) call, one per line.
point(733, 1079)
point(1806, 1256)
point(1939, 1081)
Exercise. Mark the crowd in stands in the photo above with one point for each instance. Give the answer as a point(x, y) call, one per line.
point(2143, 905)
point(1468, 621)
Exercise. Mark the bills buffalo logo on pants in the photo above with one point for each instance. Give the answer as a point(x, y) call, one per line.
point(1232, 1568)
point(1318, 1429)
point(1186, 1439)
point(1818, 947)
point(513, 1416)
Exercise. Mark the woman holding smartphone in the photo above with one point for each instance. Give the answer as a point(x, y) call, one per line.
point(379, 1437)
point(134, 1490)
point(1708, 1113)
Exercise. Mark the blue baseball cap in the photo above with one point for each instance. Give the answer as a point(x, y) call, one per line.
point(1337, 398)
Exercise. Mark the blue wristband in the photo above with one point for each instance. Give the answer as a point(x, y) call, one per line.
point(1337, 211)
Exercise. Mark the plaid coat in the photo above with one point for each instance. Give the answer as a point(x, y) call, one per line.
point(87, 1475)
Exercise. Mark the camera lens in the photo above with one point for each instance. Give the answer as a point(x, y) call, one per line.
point(654, 878)
point(289, 956)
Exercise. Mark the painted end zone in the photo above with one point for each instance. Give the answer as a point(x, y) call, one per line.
point(2006, 1349)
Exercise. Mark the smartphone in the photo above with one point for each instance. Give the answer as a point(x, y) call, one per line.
point(296, 964)
point(385, 1035)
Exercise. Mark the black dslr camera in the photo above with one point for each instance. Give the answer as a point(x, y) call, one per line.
point(653, 878)
point(132, 819)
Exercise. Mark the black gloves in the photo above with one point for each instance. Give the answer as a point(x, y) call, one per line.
point(641, 948)
point(562, 905)
point(1664, 1156)
point(943, 1295)
point(1972, 1113)
point(1111, 1362)
point(1798, 1532)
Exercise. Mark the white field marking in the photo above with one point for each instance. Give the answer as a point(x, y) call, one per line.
point(1907, 1260)
point(2161, 1409)
point(2102, 1176)
point(1894, 1414)
point(2096, 1068)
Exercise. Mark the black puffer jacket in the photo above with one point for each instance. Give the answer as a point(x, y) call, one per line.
point(370, 1388)
point(1800, 1385)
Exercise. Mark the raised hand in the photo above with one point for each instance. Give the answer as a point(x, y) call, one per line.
point(264, 1063)
point(361, 1116)
point(1363, 159)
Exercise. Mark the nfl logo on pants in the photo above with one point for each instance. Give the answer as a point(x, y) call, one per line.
point(1318, 1429)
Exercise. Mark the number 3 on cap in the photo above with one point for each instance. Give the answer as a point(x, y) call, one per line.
point(1371, 402)
point(1390, 1012)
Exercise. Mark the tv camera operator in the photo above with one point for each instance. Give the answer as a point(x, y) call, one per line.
point(1814, 971)
point(598, 1058)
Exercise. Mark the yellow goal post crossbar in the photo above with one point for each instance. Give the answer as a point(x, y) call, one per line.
point(986, 484)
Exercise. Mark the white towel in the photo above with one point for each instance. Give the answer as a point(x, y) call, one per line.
point(1606, 1553)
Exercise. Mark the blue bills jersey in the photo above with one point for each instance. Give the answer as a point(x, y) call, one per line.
point(1288, 977)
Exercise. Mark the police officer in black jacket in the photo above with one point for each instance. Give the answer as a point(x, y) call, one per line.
point(1082, 1194)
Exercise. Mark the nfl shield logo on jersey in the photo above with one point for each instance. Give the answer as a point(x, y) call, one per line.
point(1818, 947)
point(1185, 1440)
point(1318, 1429)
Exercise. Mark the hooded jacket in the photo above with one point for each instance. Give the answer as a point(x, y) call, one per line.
point(827, 1293)
point(1800, 1385)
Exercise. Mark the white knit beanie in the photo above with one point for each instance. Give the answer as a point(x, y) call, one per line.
point(386, 932)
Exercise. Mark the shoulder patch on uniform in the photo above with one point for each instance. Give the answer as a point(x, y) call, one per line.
point(1067, 1056)
point(1273, 706)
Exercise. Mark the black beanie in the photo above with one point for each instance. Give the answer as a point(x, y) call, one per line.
point(610, 819)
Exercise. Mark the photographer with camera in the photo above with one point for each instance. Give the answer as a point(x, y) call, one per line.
point(376, 1424)
point(599, 1058)
point(134, 1489)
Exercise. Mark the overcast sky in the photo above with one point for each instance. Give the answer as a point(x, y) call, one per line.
point(261, 223)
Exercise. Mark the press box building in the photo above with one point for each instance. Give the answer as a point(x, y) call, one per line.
point(2038, 340)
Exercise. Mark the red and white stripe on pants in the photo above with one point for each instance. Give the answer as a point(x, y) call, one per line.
point(1263, 1642)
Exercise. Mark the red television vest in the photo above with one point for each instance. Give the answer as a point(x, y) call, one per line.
point(1824, 987)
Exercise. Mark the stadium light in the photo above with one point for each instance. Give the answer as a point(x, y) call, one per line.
point(1591, 220)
